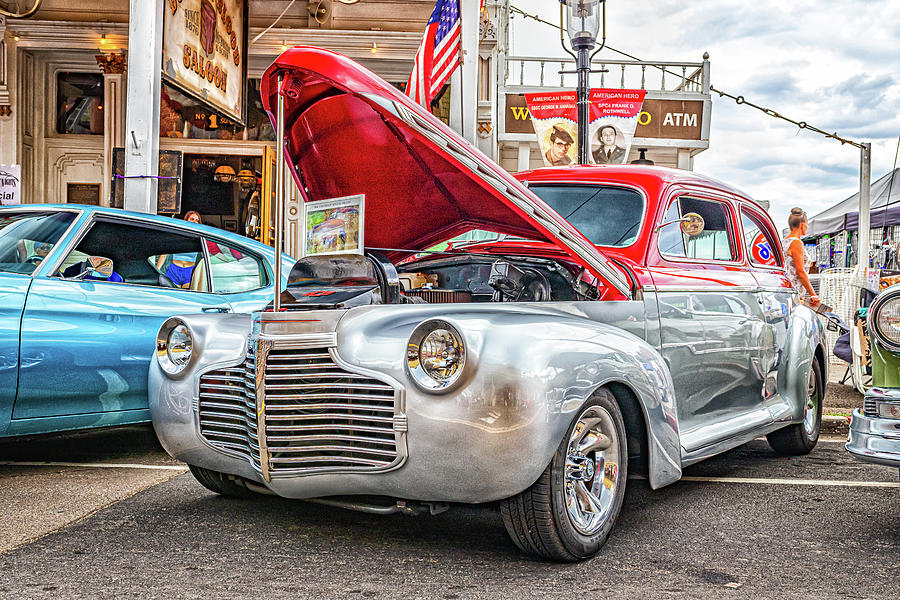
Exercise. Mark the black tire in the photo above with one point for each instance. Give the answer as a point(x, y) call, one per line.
point(800, 438)
point(220, 483)
point(538, 519)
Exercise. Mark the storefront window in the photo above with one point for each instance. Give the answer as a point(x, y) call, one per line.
point(79, 103)
point(183, 117)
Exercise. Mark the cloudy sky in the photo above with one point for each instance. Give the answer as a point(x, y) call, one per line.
point(835, 65)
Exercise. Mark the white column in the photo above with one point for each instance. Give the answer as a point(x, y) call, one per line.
point(524, 162)
point(113, 67)
point(145, 25)
point(685, 160)
point(8, 137)
point(463, 82)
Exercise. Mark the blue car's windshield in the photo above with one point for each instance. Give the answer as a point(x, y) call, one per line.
point(27, 237)
point(604, 214)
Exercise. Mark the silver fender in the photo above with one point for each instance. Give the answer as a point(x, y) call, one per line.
point(804, 335)
point(219, 341)
point(529, 370)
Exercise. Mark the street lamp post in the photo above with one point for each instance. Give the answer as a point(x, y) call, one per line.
point(582, 24)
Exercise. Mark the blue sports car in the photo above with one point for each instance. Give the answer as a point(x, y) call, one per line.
point(83, 292)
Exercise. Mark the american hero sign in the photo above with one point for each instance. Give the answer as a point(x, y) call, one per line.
point(662, 119)
point(204, 52)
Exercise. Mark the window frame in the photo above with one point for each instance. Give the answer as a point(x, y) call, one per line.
point(752, 213)
point(261, 261)
point(737, 252)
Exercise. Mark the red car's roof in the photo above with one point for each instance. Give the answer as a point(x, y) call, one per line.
point(653, 180)
point(625, 173)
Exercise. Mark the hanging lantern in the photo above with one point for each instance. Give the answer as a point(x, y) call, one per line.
point(246, 178)
point(224, 174)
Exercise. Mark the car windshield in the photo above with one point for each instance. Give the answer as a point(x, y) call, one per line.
point(606, 215)
point(27, 237)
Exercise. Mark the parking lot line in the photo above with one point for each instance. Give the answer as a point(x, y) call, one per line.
point(818, 482)
point(36, 463)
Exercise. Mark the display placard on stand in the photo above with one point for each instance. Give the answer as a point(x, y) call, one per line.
point(333, 226)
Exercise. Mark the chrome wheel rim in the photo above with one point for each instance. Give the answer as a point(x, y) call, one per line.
point(812, 403)
point(592, 470)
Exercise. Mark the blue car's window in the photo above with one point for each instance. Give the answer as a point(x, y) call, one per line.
point(27, 237)
point(234, 270)
point(141, 254)
point(606, 215)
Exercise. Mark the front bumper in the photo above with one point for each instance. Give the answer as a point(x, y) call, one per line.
point(874, 439)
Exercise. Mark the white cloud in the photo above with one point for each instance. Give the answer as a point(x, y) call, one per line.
point(834, 65)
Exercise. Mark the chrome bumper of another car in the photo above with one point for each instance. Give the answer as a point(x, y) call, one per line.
point(874, 439)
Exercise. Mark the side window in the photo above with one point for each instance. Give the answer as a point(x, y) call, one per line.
point(140, 255)
point(713, 243)
point(671, 240)
point(232, 270)
point(760, 246)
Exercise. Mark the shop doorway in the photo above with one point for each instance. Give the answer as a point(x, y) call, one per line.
point(225, 190)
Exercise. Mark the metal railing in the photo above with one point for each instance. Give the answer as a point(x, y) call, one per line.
point(656, 76)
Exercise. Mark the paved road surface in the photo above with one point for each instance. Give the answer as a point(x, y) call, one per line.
point(833, 531)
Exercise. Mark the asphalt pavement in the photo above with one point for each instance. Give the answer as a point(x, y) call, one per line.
point(747, 524)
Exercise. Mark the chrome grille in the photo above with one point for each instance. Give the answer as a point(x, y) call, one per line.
point(322, 417)
point(227, 409)
point(869, 408)
point(319, 416)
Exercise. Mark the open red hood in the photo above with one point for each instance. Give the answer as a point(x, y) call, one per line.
point(348, 132)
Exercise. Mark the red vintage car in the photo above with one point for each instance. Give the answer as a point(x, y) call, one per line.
point(620, 322)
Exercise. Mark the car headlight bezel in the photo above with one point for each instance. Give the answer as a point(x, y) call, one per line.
point(887, 300)
point(434, 346)
point(175, 347)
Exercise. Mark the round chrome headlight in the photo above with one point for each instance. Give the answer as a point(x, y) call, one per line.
point(436, 355)
point(174, 346)
point(884, 318)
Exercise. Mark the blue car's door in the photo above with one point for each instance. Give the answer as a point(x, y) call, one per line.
point(86, 345)
point(28, 236)
point(13, 287)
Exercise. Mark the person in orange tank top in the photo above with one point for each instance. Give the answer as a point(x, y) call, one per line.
point(796, 262)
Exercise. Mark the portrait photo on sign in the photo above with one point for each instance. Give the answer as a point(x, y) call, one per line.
point(559, 145)
point(334, 226)
point(608, 145)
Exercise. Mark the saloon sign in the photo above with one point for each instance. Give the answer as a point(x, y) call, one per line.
point(662, 119)
point(204, 51)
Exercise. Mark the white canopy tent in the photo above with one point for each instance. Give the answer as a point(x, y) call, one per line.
point(844, 216)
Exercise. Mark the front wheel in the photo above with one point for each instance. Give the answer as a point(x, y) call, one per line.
point(801, 438)
point(568, 513)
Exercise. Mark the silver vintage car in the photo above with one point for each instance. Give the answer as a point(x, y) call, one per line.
point(623, 319)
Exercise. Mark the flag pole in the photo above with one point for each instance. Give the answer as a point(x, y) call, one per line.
point(462, 96)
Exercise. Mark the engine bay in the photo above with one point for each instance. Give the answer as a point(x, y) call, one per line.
point(485, 278)
point(345, 281)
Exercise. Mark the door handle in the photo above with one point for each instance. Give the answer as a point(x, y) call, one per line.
point(215, 309)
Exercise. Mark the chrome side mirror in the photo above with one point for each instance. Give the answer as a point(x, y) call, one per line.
point(691, 224)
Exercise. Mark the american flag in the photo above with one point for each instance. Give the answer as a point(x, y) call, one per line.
point(438, 55)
